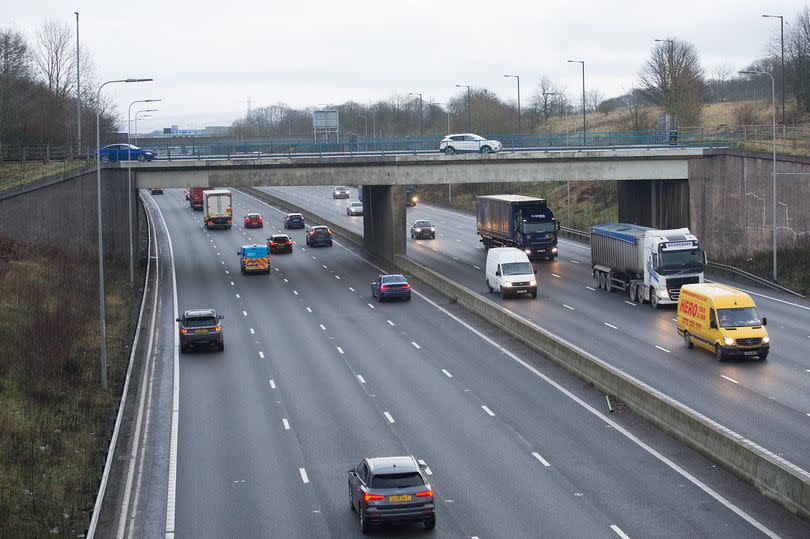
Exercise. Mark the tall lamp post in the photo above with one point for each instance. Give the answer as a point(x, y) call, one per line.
point(129, 187)
point(583, 96)
point(773, 134)
point(518, 101)
point(78, 91)
point(102, 321)
point(782, 25)
point(141, 114)
point(448, 113)
point(420, 112)
point(469, 102)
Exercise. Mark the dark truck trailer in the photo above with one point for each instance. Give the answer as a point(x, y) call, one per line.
point(517, 221)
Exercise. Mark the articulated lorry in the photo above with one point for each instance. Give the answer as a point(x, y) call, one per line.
point(517, 221)
point(649, 265)
point(195, 198)
point(217, 209)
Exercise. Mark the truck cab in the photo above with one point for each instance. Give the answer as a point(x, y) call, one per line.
point(254, 258)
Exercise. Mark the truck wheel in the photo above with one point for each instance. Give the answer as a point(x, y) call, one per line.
point(653, 298)
point(687, 340)
point(600, 280)
point(631, 292)
point(608, 283)
point(640, 295)
point(718, 353)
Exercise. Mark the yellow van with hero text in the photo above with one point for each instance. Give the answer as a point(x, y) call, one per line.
point(723, 320)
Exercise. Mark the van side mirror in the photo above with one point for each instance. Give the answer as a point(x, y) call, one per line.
point(764, 321)
point(535, 271)
point(238, 253)
point(221, 317)
point(422, 466)
point(352, 472)
point(177, 320)
point(712, 324)
point(556, 225)
point(498, 273)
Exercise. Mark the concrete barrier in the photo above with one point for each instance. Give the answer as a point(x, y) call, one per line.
point(773, 476)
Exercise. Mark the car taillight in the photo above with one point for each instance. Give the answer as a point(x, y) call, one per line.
point(329, 230)
point(273, 243)
point(370, 497)
point(406, 285)
point(384, 287)
point(425, 494)
point(218, 328)
point(183, 331)
point(312, 233)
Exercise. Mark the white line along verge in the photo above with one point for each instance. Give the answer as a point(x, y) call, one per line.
point(610, 325)
point(487, 410)
point(415, 345)
point(261, 354)
point(304, 476)
point(272, 384)
point(729, 379)
point(619, 531)
point(541, 459)
point(285, 423)
point(663, 349)
point(389, 417)
point(427, 468)
point(589, 287)
point(446, 373)
point(361, 379)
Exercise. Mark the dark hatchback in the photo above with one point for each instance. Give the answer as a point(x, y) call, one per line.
point(394, 286)
point(319, 235)
point(201, 327)
point(280, 243)
point(294, 220)
point(423, 229)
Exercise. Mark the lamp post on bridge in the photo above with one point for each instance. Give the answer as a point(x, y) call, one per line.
point(583, 96)
point(518, 98)
point(469, 103)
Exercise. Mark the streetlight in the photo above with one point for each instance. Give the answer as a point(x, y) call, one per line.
point(583, 95)
point(773, 134)
point(518, 88)
point(100, 236)
point(420, 112)
point(129, 187)
point(448, 113)
point(782, 25)
point(142, 114)
point(78, 91)
point(469, 100)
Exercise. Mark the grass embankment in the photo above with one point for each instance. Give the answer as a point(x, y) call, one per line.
point(792, 266)
point(591, 202)
point(55, 422)
point(16, 174)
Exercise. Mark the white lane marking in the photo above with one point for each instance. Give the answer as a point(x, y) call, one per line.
point(337, 277)
point(252, 332)
point(227, 272)
point(663, 349)
point(589, 287)
point(272, 384)
point(309, 310)
point(339, 349)
point(361, 379)
point(285, 423)
point(435, 249)
point(610, 325)
point(568, 307)
point(476, 267)
point(285, 280)
point(261, 354)
point(295, 292)
point(458, 240)
point(222, 262)
point(232, 283)
point(557, 276)
point(304, 476)
point(729, 379)
point(370, 305)
point(415, 345)
point(323, 327)
point(237, 296)
point(390, 323)
point(427, 468)
point(446, 373)
point(244, 313)
point(455, 258)
point(541, 459)
point(389, 417)
point(674, 319)
point(324, 266)
point(619, 531)
point(276, 269)
point(440, 234)
point(630, 303)
point(575, 261)
point(352, 289)
point(313, 258)
point(487, 410)
point(219, 254)
point(769, 297)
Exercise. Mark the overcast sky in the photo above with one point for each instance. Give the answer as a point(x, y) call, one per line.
point(209, 57)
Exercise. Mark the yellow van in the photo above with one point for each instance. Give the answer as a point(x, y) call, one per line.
point(723, 320)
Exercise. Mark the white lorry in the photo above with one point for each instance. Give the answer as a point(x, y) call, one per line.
point(649, 265)
point(217, 209)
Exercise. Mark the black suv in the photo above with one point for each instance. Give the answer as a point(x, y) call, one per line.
point(423, 229)
point(319, 235)
point(201, 327)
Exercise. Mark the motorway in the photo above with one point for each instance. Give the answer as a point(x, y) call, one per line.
point(767, 402)
point(315, 376)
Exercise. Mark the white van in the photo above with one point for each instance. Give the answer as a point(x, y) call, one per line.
point(509, 272)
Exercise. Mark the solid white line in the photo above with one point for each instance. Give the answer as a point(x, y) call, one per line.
point(619, 531)
point(447, 373)
point(415, 345)
point(476, 267)
point(487, 410)
point(272, 384)
point(339, 349)
point(244, 313)
point(304, 477)
point(352, 289)
point(323, 327)
point(568, 307)
point(309, 310)
point(557, 276)
point(370, 305)
point(541, 459)
point(361, 379)
point(388, 417)
point(769, 297)
point(252, 332)
point(610, 325)
point(261, 354)
point(390, 323)
point(427, 468)
point(589, 287)
point(663, 349)
point(729, 379)
point(286, 424)
point(631, 303)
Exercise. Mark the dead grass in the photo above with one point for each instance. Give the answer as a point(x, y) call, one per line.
point(16, 174)
point(55, 421)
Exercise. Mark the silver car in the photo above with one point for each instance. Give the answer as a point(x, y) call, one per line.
point(391, 489)
point(340, 192)
point(354, 208)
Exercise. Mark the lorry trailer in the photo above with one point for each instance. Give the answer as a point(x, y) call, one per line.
point(217, 208)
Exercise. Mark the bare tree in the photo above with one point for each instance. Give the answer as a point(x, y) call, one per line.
point(672, 77)
point(722, 73)
point(797, 52)
point(592, 99)
point(56, 56)
point(546, 101)
point(636, 114)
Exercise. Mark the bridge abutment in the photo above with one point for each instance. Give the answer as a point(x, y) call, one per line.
point(384, 220)
point(655, 203)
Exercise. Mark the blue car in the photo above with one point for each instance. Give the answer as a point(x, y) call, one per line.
point(294, 220)
point(124, 152)
point(393, 286)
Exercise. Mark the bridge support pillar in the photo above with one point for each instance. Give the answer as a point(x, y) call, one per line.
point(655, 203)
point(384, 220)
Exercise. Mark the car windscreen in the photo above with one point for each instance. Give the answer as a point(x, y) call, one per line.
point(253, 216)
point(516, 268)
point(740, 317)
point(393, 279)
point(356, 204)
point(200, 321)
point(320, 231)
point(422, 224)
point(295, 216)
point(397, 480)
point(543, 227)
point(280, 239)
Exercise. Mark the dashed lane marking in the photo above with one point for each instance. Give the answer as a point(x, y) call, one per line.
point(568, 307)
point(261, 354)
point(272, 384)
point(339, 349)
point(390, 323)
point(389, 417)
point(663, 349)
point(237, 296)
point(361, 379)
point(309, 310)
point(589, 287)
point(476, 267)
point(557, 276)
point(323, 327)
point(446, 373)
point(304, 476)
point(610, 325)
point(541, 459)
point(252, 332)
point(487, 410)
point(619, 531)
point(285, 423)
point(729, 379)
point(352, 289)
point(370, 305)
point(415, 345)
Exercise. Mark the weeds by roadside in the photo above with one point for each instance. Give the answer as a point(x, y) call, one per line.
point(17, 174)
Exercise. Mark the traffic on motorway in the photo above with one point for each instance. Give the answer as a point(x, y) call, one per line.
point(317, 378)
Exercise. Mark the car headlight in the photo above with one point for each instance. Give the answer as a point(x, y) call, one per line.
point(418, 230)
point(433, 229)
point(507, 284)
point(528, 251)
point(766, 340)
point(729, 341)
point(532, 283)
point(553, 249)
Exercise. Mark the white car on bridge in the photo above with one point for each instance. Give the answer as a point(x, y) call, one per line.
point(468, 142)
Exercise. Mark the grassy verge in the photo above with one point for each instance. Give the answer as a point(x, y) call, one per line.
point(55, 422)
point(16, 174)
point(792, 265)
